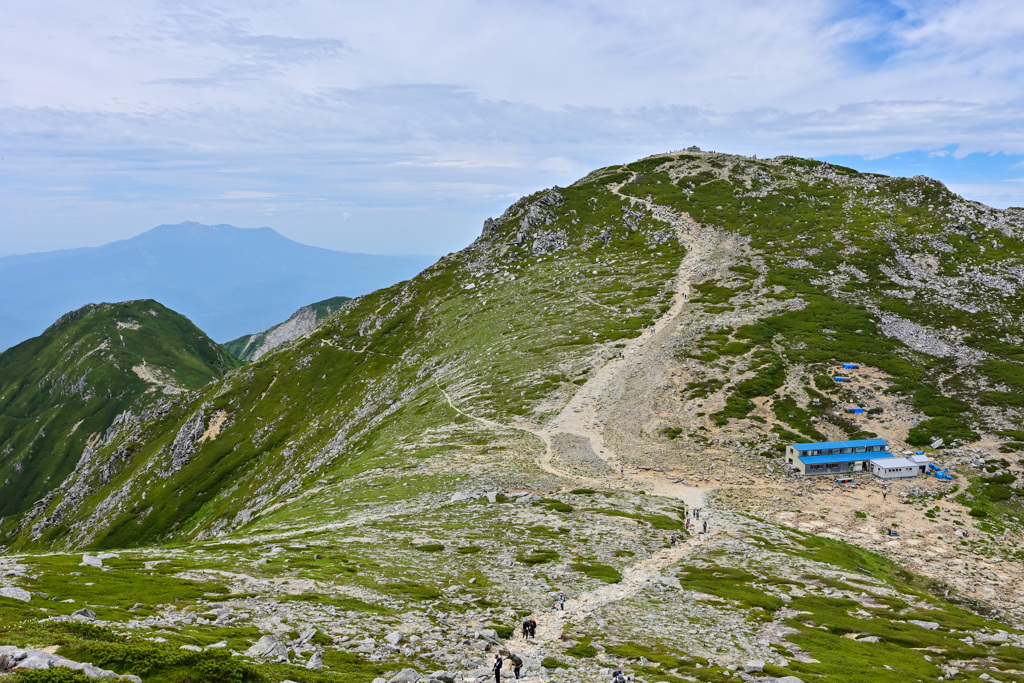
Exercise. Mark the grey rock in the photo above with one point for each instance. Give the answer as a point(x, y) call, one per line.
point(307, 636)
point(405, 676)
point(789, 679)
point(316, 662)
point(33, 663)
point(15, 593)
point(268, 647)
point(670, 581)
point(754, 666)
point(868, 639)
point(930, 625)
point(192, 648)
point(937, 443)
point(393, 638)
point(492, 496)
point(91, 561)
point(459, 496)
point(84, 614)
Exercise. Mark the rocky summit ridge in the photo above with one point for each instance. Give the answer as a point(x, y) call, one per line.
point(539, 414)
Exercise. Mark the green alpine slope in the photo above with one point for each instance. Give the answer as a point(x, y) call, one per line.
point(832, 265)
point(61, 391)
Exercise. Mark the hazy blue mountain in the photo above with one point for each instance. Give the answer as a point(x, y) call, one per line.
point(228, 280)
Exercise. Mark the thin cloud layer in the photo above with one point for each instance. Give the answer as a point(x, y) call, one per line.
point(397, 127)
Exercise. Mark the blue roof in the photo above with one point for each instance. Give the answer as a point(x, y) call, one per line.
point(839, 444)
point(845, 457)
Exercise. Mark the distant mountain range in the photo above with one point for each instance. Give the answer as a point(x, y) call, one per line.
point(229, 281)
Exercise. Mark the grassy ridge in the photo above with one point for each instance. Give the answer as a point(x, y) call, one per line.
point(62, 389)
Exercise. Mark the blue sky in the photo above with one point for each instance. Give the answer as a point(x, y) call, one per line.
point(397, 127)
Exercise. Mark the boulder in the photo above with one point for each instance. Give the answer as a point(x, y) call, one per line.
point(393, 638)
point(84, 615)
point(15, 593)
point(405, 676)
point(930, 625)
point(670, 581)
point(91, 561)
point(789, 679)
point(316, 662)
point(492, 496)
point(937, 443)
point(307, 636)
point(754, 666)
point(267, 647)
point(33, 663)
point(191, 648)
point(460, 496)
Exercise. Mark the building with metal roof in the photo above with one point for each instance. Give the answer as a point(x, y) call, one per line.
point(836, 457)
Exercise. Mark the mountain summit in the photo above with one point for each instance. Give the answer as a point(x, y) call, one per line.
point(593, 401)
point(228, 280)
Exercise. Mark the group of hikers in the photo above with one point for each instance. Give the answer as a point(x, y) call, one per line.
point(517, 665)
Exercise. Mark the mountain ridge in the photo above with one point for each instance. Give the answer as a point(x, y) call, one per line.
point(546, 411)
point(228, 280)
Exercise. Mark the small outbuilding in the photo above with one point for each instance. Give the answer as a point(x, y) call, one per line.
point(894, 468)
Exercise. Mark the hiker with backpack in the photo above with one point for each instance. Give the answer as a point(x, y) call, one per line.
point(497, 668)
point(533, 628)
point(526, 628)
point(517, 663)
point(561, 601)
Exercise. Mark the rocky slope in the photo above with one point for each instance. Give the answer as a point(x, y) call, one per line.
point(303, 321)
point(537, 413)
point(99, 366)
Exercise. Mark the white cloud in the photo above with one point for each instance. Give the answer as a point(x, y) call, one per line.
point(325, 112)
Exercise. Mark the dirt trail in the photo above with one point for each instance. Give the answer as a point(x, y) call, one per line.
point(551, 623)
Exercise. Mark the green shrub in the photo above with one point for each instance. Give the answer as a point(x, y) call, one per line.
point(596, 570)
point(539, 557)
point(557, 505)
point(552, 663)
point(582, 650)
point(469, 549)
point(504, 632)
point(430, 547)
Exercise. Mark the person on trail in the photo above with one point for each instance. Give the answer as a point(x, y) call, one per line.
point(617, 676)
point(884, 494)
point(517, 664)
point(533, 628)
point(687, 523)
point(526, 629)
point(696, 513)
point(672, 540)
point(561, 601)
point(705, 526)
point(497, 668)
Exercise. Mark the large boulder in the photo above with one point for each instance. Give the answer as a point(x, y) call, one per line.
point(405, 676)
point(316, 662)
point(15, 593)
point(268, 647)
point(84, 615)
point(91, 561)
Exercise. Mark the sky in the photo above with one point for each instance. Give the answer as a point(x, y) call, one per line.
point(398, 127)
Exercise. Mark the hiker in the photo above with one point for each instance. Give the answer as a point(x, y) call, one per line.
point(533, 628)
point(617, 676)
point(696, 513)
point(884, 494)
point(561, 602)
point(672, 541)
point(687, 523)
point(497, 668)
point(705, 526)
point(517, 664)
point(526, 629)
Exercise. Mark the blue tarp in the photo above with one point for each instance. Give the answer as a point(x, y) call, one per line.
point(850, 366)
point(844, 458)
point(840, 444)
point(841, 379)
